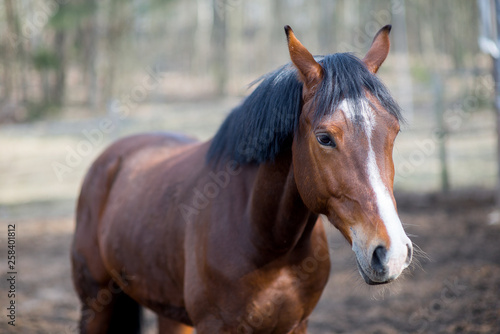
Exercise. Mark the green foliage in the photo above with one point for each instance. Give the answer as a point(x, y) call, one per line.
point(44, 59)
point(69, 16)
point(41, 110)
point(152, 6)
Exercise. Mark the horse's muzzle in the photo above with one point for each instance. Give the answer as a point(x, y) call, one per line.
point(381, 269)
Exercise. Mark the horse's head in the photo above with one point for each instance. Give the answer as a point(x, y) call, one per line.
point(342, 154)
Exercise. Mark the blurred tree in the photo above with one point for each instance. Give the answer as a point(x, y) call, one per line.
point(105, 43)
point(45, 62)
point(204, 20)
point(58, 91)
point(8, 57)
point(218, 41)
point(88, 34)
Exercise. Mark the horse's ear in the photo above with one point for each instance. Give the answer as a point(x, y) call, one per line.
point(378, 50)
point(310, 71)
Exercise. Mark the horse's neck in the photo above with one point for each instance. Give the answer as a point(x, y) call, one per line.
point(278, 216)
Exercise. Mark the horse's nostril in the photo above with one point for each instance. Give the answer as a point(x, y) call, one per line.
point(379, 258)
point(410, 254)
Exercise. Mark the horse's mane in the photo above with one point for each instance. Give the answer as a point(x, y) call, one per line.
point(264, 124)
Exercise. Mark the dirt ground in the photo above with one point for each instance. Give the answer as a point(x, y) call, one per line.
point(454, 288)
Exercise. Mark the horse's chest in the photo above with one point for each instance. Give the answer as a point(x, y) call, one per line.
point(270, 301)
point(282, 304)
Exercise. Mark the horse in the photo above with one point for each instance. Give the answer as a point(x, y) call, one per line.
point(226, 236)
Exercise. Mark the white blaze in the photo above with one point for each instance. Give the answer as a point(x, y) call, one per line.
point(398, 251)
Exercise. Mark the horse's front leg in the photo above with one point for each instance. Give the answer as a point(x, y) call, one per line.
point(301, 328)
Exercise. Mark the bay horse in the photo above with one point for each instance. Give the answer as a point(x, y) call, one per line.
point(225, 236)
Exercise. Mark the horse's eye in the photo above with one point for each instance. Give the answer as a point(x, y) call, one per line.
point(325, 140)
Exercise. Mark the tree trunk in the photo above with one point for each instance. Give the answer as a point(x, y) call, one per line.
point(404, 83)
point(91, 30)
point(219, 54)
point(58, 91)
point(497, 98)
point(87, 33)
point(114, 34)
point(202, 37)
point(8, 68)
point(45, 82)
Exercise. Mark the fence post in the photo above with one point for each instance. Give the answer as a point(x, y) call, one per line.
point(442, 133)
point(496, 75)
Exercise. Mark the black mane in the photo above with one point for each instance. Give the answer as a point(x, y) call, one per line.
point(264, 124)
